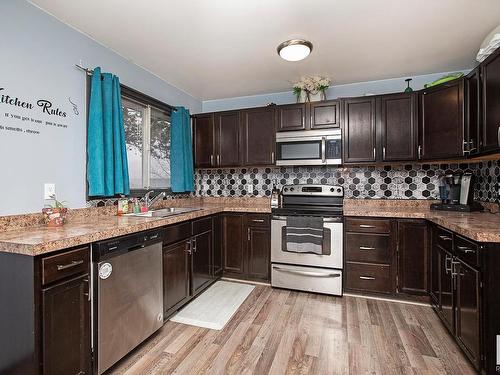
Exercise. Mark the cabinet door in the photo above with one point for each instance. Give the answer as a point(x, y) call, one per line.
point(446, 289)
point(258, 252)
point(66, 327)
point(292, 117)
point(201, 250)
point(227, 139)
point(442, 121)
point(491, 103)
point(398, 127)
point(233, 225)
point(258, 126)
point(413, 257)
point(435, 271)
point(468, 316)
point(217, 246)
point(358, 118)
point(325, 114)
point(175, 275)
point(203, 140)
point(473, 112)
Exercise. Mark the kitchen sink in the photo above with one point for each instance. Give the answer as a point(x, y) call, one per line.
point(164, 212)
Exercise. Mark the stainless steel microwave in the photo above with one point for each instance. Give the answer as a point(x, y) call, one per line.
point(309, 147)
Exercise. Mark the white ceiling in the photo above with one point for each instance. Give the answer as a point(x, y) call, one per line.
point(223, 48)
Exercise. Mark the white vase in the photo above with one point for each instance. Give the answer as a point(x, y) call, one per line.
point(319, 96)
point(302, 98)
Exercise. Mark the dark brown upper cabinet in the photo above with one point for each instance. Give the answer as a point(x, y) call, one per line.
point(358, 118)
point(227, 139)
point(398, 127)
point(473, 113)
point(203, 140)
point(442, 121)
point(258, 134)
point(324, 114)
point(292, 117)
point(491, 103)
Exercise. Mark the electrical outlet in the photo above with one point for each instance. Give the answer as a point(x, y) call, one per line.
point(49, 190)
point(250, 188)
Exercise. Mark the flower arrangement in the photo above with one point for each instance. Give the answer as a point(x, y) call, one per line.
point(311, 85)
point(55, 214)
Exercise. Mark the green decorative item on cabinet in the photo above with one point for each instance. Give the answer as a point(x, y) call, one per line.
point(408, 89)
point(443, 79)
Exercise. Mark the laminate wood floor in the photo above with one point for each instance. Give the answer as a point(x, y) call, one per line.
point(285, 332)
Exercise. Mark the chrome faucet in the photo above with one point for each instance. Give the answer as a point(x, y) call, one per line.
point(149, 202)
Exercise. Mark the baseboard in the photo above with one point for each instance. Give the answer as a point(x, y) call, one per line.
point(388, 299)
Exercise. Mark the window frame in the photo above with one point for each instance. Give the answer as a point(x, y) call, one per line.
point(139, 97)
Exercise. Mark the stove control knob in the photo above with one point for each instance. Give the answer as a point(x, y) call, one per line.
point(332, 190)
point(339, 190)
point(286, 189)
point(292, 189)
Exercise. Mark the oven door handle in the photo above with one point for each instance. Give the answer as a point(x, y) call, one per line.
point(325, 219)
point(307, 273)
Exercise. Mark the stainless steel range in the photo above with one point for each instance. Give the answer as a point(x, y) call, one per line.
point(307, 239)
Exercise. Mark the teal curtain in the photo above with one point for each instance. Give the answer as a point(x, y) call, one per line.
point(107, 165)
point(181, 152)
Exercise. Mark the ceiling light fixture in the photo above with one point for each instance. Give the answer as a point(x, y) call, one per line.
point(295, 49)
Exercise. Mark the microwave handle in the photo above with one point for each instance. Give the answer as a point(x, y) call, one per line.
point(323, 150)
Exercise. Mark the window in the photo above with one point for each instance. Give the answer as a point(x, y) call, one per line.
point(147, 136)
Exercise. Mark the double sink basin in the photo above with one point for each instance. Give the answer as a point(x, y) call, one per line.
point(165, 212)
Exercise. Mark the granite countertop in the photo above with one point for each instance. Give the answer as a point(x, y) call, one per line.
point(479, 226)
point(41, 239)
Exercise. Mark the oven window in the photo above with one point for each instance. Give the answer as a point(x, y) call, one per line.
point(299, 150)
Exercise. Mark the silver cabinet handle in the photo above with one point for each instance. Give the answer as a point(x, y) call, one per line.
point(323, 150)
point(367, 278)
point(464, 151)
point(248, 234)
point(366, 226)
point(188, 247)
point(465, 249)
point(446, 267)
point(498, 135)
point(258, 220)
point(212, 160)
point(218, 159)
point(444, 238)
point(383, 153)
point(307, 273)
point(272, 157)
point(366, 248)
point(61, 267)
point(374, 153)
point(419, 152)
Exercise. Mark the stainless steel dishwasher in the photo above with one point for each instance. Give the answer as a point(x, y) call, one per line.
point(128, 295)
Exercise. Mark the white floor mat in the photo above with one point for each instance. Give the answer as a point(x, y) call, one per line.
point(214, 307)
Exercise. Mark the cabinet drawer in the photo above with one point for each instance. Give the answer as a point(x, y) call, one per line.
point(177, 232)
point(368, 248)
point(467, 251)
point(368, 277)
point(443, 238)
point(202, 225)
point(258, 220)
point(368, 225)
point(60, 266)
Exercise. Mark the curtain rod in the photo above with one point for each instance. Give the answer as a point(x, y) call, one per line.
point(90, 71)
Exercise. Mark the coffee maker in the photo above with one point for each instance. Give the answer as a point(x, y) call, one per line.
point(457, 193)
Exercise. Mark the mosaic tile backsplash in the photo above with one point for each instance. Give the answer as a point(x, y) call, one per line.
point(418, 181)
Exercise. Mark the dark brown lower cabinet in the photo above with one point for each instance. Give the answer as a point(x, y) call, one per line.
point(201, 249)
point(467, 310)
point(247, 246)
point(413, 257)
point(446, 292)
point(66, 327)
point(217, 260)
point(175, 276)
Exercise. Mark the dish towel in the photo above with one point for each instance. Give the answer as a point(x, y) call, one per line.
point(181, 152)
point(107, 164)
point(304, 234)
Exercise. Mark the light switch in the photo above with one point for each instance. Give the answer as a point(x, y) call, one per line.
point(49, 190)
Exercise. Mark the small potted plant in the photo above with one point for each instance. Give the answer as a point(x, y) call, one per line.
point(55, 214)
